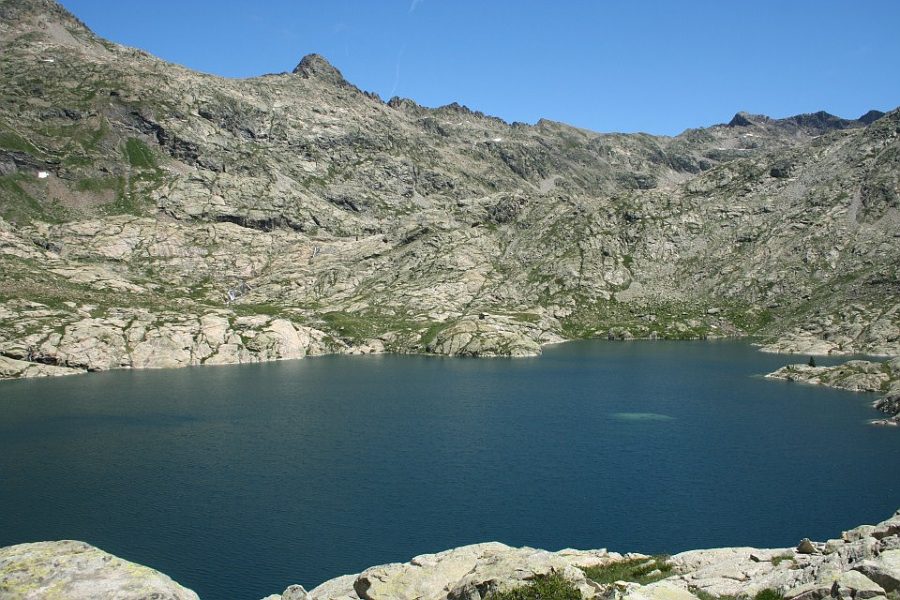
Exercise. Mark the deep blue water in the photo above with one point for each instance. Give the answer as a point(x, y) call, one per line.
point(238, 481)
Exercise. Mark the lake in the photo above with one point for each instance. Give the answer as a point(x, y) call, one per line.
point(240, 480)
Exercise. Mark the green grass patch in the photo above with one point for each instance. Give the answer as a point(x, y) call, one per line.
point(99, 184)
point(638, 570)
point(360, 327)
point(10, 140)
point(271, 310)
point(780, 558)
point(352, 326)
point(139, 155)
point(431, 334)
point(18, 205)
point(552, 587)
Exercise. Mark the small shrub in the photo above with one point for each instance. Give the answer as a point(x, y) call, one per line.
point(812, 361)
point(778, 559)
point(768, 594)
point(552, 587)
point(638, 570)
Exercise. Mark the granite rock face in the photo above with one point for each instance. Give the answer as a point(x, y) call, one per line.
point(139, 198)
point(74, 571)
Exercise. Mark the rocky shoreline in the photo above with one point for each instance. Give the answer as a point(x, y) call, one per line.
point(861, 564)
point(855, 376)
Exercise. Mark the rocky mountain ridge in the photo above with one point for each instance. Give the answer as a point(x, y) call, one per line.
point(863, 563)
point(152, 216)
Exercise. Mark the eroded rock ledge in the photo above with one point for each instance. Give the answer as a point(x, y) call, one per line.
point(863, 563)
point(855, 376)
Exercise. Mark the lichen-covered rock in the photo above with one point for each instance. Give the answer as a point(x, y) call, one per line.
point(77, 571)
point(466, 573)
point(733, 571)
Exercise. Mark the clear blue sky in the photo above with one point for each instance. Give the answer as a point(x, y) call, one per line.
point(610, 65)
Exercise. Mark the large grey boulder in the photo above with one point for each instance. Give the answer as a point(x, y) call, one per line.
point(853, 584)
point(78, 571)
point(467, 573)
point(883, 570)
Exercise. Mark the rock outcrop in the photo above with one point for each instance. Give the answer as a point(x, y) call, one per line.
point(72, 570)
point(863, 563)
point(855, 376)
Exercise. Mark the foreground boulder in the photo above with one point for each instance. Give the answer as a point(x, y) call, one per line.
point(75, 570)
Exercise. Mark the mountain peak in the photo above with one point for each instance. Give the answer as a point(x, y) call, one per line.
point(316, 66)
point(44, 20)
point(13, 11)
point(871, 116)
point(745, 119)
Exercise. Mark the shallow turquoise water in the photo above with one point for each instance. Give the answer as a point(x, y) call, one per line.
point(237, 481)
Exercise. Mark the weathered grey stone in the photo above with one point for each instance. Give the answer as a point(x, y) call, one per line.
point(339, 588)
point(853, 584)
point(809, 591)
point(295, 592)
point(883, 570)
point(806, 547)
point(75, 571)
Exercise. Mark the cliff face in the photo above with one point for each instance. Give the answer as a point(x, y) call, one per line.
point(154, 216)
point(863, 563)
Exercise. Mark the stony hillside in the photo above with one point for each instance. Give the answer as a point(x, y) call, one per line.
point(155, 216)
point(863, 563)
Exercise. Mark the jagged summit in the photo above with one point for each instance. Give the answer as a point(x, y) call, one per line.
point(821, 121)
point(745, 119)
point(871, 116)
point(317, 66)
point(814, 123)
